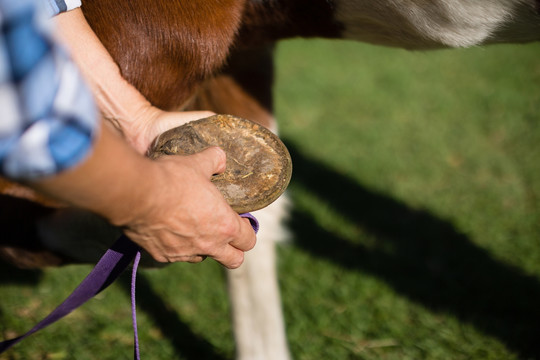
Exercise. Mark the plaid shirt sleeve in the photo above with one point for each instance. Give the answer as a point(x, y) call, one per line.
point(47, 114)
point(55, 7)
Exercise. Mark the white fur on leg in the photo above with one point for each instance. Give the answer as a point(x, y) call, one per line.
point(254, 293)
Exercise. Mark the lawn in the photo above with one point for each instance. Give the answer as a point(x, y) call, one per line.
point(415, 228)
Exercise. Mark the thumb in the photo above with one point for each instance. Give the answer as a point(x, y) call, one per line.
point(211, 161)
point(169, 120)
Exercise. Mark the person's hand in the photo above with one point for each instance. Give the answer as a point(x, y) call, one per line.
point(141, 130)
point(186, 218)
point(168, 206)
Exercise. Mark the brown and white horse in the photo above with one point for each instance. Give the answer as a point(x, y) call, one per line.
point(217, 55)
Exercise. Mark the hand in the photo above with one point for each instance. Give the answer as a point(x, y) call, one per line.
point(141, 130)
point(186, 218)
point(167, 206)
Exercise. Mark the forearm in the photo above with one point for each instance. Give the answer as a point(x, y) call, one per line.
point(108, 182)
point(117, 99)
point(120, 103)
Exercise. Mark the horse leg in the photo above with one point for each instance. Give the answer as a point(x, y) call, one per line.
point(245, 89)
point(253, 288)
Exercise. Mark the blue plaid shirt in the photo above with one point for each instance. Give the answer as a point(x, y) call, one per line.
point(47, 114)
point(57, 6)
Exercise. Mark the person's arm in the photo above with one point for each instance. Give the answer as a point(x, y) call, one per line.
point(51, 140)
point(139, 121)
point(168, 206)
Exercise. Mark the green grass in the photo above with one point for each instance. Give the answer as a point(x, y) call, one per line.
point(416, 222)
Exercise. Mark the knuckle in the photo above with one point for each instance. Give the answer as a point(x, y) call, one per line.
point(220, 157)
point(207, 248)
point(219, 152)
point(236, 263)
point(251, 245)
point(160, 258)
point(230, 229)
point(195, 259)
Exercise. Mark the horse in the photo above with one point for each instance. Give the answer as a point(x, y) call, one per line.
point(218, 55)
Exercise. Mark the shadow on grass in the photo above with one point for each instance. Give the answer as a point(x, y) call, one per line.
point(185, 342)
point(15, 214)
point(10, 274)
point(432, 263)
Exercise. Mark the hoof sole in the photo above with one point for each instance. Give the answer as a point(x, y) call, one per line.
point(259, 166)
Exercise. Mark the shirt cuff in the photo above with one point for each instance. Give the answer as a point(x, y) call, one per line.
point(55, 7)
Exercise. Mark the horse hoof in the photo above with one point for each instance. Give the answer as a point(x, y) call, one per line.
point(259, 166)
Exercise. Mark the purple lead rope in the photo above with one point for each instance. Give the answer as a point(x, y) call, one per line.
point(109, 267)
point(136, 354)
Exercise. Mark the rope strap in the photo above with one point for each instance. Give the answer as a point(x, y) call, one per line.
point(109, 267)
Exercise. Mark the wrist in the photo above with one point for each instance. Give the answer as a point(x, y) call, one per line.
point(138, 207)
point(136, 125)
point(128, 200)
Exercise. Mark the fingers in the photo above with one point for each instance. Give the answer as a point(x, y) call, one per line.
point(236, 236)
point(196, 259)
point(246, 239)
point(169, 120)
point(204, 225)
point(232, 256)
point(193, 259)
point(211, 161)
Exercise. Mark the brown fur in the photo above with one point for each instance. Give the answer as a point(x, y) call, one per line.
point(244, 88)
point(166, 47)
